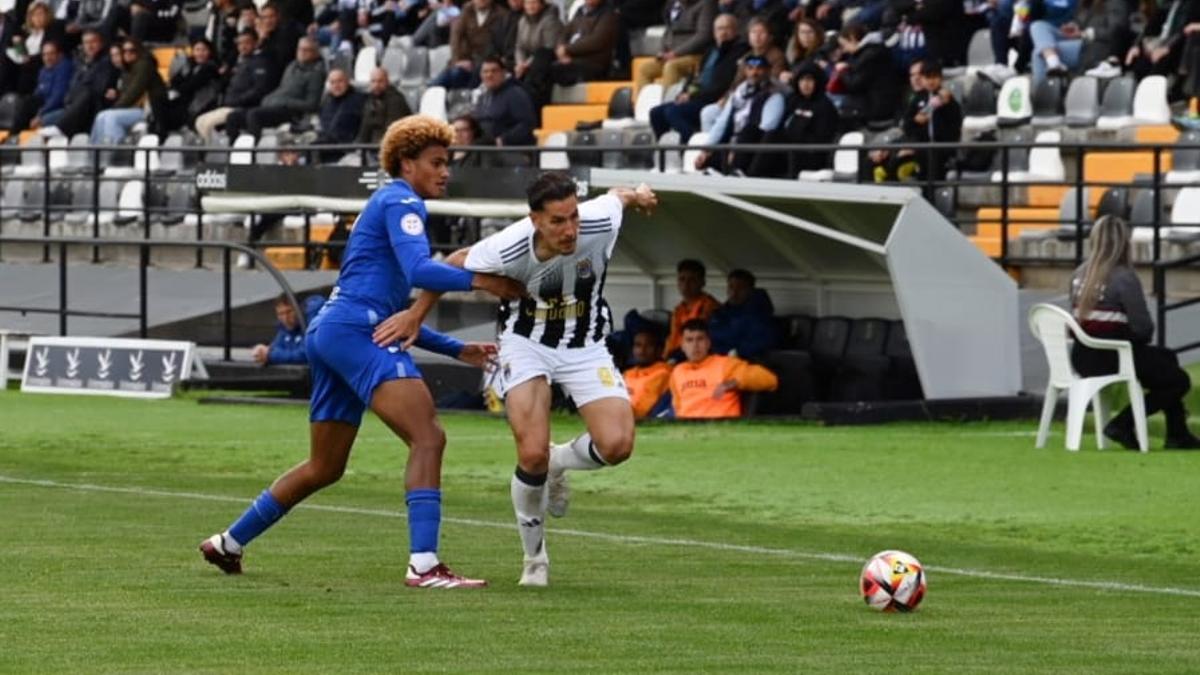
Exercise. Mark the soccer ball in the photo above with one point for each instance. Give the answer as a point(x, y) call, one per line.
point(893, 581)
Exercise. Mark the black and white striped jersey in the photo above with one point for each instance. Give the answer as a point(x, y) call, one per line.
point(566, 307)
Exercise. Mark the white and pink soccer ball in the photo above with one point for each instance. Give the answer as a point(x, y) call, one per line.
point(893, 581)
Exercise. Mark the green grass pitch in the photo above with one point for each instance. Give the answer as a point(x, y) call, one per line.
point(717, 548)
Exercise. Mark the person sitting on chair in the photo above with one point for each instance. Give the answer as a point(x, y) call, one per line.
point(1108, 301)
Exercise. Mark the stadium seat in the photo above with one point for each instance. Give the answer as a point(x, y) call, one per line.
point(1082, 105)
point(828, 346)
point(648, 41)
point(611, 137)
point(693, 152)
point(902, 382)
point(394, 61)
point(1185, 162)
point(1150, 104)
point(1185, 217)
point(364, 63)
point(1014, 106)
point(1069, 215)
point(647, 98)
point(58, 157)
point(10, 105)
point(639, 138)
point(672, 161)
point(568, 117)
point(845, 161)
point(1116, 109)
point(1142, 219)
point(83, 213)
point(268, 143)
point(555, 160)
point(979, 109)
point(1055, 329)
point(620, 105)
point(1048, 103)
point(146, 156)
point(1044, 164)
point(130, 205)
point(416, 67)
point(342, 60)
point(241, 146)
point(979, 50)
point(459, 102)
point(863, 366)
point(583, 139)
point(795, 331)
point(1114, 202)
point(78, 161)
point(439, 58)
point(945, 201)
point(433, 103)
point(796, 387)
point(172, 160)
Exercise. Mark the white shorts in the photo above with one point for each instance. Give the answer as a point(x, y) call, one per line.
point(585, 374)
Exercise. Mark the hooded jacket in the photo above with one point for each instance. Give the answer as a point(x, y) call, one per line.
point(808, 120)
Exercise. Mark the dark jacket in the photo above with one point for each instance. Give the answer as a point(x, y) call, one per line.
point(288, 345)
point(1105, 25)
point(221, 31)
point(52, 85)
point(717, 70)
point(280, 45)
point(300, 89)
point(379, 112)
point(809, 120)
point(691, 31)
point(944, 126)
point(748, 328)
point(942, 22)
point(540, 32)
point(138, 83)
point(471, 41)
point(252, 78)
point(90, 80)
point(341, 117)
point(590, 38)
point(871, 84)
point(507, 114)
point(1122, 293)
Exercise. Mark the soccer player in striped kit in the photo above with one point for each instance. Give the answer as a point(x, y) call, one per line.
point(553, 335)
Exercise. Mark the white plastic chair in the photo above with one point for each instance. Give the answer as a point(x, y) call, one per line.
point(1055, 328)
point(693, 152)
point(1014, 106)
point(1150, 102)
point(433, 103)
point(1185, 214)
point(364, 63)
point(555, 160)
point(242, 144)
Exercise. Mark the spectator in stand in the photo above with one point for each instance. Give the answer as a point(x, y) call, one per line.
point(942, 23)
point(138, 88)
point(751, 112)
point(892, 164)
point(384, 105)
point(687, 38)
point(94, 74)
point(288, 346)
point(298, 94)
point(867, 12)
point(194, 89)
point(103, 16)
point(538, 32)
point(155, 20)
point(714, 79)
point(1086, 37)
point(933, 116)
point(745, 325)
point(694, 304)
point(341, 114)
point(222, 30)
point(807, 44)
point(709, 386)
point(479, 32)
point(505, 110)
point(299, 12)
point(758, 35)
point(252, 77)
point(1108, 301)
point(1158, 49)
point(649, 378)
point(467, 132)
point(40, 27)
point(810, 119)
point(276, 36)
point(633, 15)
point(585, 48)
point(10, 31)
point(865, 80)
point(434, 30)
point(50, 94)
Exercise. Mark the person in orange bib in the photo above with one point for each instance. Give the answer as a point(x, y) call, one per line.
point(708, 385)
point(648, 378)
point(695, 304)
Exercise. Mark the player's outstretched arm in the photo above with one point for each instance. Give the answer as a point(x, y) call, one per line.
point(641, 198)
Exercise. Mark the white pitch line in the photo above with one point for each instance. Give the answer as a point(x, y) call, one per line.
point(630, 539)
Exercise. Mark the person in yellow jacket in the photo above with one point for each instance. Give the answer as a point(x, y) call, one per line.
point(648, 378)
point(708, 385)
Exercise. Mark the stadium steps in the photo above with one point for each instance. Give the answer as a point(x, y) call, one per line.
point(583, 102)
point(1120, 167)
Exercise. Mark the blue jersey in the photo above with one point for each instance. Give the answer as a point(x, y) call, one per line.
point(386, 257)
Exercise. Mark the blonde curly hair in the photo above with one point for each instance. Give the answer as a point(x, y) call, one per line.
point(408, 137)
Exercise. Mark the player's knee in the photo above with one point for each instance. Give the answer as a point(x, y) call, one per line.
point(325, 474)
point(432, 440)
point(617, 448)
point(533, 458)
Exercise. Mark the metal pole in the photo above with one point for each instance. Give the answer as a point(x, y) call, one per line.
point(143, 300)
point(308, 256)
point(146, 194)
point(1079, 205)
point(1160, 303)
point(46, 201)
point(1157, 192)
point(1004, 164)
point(226, 310)
point(95, 203)
point(62, 288)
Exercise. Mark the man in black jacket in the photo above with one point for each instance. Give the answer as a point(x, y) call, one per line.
point(505, 110)
point(933, 116)
point(94, 75)
point(717, 71)
point(383, 106)
point(253, 77)
point(810, 118)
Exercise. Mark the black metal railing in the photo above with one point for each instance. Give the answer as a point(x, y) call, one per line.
point(63, 310)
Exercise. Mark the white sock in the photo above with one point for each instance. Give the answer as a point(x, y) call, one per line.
point(578, 455)
point(230, 544)
point(1053, 62)
point(422, 562)
point(529, 503)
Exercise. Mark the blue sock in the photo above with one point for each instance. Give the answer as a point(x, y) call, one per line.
point(424, 519)
point(262, 514)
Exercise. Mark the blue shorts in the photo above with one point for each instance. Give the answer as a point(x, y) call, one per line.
point(346, 366)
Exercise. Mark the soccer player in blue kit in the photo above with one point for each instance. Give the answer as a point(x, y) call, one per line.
point(387, 255)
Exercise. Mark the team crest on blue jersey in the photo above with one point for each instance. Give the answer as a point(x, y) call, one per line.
point(583, 268)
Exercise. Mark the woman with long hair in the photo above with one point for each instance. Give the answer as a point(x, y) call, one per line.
point(1108, 301)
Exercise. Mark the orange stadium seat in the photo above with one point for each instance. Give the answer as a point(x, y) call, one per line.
point(565, 117)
